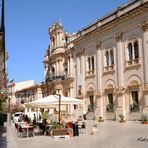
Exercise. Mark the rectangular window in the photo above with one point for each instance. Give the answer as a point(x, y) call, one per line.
point(136, 50)
point(107, 58)
point(111, 57)
point(90, 65)
point(130, 51)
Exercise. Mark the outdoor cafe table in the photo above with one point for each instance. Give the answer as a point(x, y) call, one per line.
point(48, 128)
point(27, 127)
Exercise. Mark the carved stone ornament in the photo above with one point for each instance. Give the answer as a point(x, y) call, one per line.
point(144, 26)
point(98, 45)
point(119, 36)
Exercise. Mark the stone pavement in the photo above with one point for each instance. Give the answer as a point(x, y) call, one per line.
point(111, 134)
point(7, 137)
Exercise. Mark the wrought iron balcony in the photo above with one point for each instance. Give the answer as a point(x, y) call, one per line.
point(62, 77)
point(110, 108)
point(91, 108)
point(134, 107)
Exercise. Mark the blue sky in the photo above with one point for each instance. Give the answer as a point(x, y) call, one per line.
point(27, 23)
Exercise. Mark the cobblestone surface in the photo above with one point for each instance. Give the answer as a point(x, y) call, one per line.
point(108, 135)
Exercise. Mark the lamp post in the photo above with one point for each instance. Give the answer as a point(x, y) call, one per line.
point(59, 105)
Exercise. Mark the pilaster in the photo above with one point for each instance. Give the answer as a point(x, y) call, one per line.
point(99, 66)
point(119, 57)
point(144, 27)
point(120, 71)
point(99, 76)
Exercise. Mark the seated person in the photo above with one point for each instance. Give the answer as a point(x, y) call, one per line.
point(26, 119)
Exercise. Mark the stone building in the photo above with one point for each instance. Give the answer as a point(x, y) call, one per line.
point(25, 92)
point(105, 63)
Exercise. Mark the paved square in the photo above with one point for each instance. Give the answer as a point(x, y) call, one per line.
point(110, 134)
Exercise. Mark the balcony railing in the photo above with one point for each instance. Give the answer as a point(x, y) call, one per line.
point(109, 68)
point(63, 77)
point(90, 73)
point(132, 62)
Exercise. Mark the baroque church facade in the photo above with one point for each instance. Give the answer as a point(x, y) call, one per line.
point(105, 63)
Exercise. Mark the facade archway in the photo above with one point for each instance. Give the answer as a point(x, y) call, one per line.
point(134, 99)
point(90, 95)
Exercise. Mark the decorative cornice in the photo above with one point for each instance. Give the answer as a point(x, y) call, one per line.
point(106, 23)
point(119, 36)
point(144, 26)
point(80, 52)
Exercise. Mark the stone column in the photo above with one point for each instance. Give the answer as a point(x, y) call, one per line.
point(83, 72)
point(71, 65)
point(68, 70)
point(71, 109)
point(120, 70)
point(99, 66)
point(99, 72)
point(71, 91)
point(77, 58)
point(56, 68)
point(59, 63)
point(119, 61)
point(145, 49)
point(58, 40)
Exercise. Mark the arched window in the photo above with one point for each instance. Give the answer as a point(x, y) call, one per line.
point(90, 61)
point(107, 58)
point(53, 41)
point(53, 72)
point(89, 64)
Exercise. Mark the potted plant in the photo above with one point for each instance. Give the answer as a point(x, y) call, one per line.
point(58, 129)
point(100, 119)
point(122, 118)
point(144, 119)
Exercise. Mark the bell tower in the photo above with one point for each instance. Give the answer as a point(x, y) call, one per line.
point(57, 38)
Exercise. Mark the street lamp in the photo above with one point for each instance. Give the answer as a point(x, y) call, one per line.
point(59, 97)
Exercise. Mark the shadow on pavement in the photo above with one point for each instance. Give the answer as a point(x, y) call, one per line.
point(3, 130)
